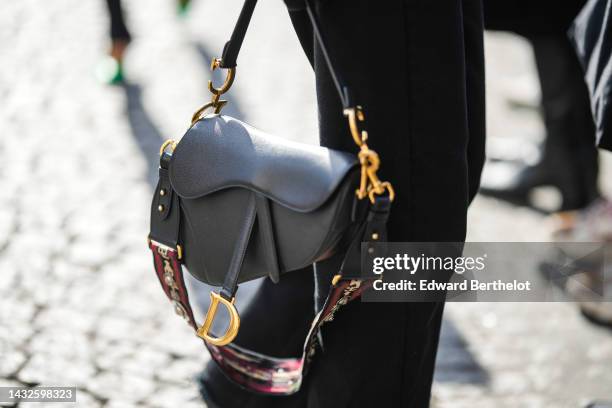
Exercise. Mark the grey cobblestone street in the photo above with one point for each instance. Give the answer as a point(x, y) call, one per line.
point(79, 303)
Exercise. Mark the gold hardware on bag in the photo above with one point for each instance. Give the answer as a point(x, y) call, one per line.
point(170, 143)
point(354, 116)
point(370, 185)
point(178, 249)
point(234, 323)
point(216, 103)
point(229, 80)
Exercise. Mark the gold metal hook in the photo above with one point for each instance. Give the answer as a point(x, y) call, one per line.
point(370, 184)
point(234, 323)
point(216, 101)
point(229, 79)
point(356, 115)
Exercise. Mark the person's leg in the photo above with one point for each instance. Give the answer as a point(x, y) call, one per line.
point(118, 28)
point(569, 157)
point(531, 17)
point(406, 63)
point(111, 69)
point(475, 91)
point(569, 148)
point(416, 103)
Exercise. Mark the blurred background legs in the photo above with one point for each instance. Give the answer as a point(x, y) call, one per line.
point(567, 159)
point(110, 69)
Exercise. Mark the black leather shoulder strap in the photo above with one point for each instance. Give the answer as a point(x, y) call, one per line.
point(232, 47)
point(341, 87)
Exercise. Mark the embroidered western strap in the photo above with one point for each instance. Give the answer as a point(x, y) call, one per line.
point(252, 370)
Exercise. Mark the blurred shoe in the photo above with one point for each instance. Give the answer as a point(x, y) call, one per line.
point(110, 69)
point(514, 182)
point(599, 313)
point(594, 224)
point(557, 167)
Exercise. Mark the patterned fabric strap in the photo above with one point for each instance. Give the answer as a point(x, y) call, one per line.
point(256, 372)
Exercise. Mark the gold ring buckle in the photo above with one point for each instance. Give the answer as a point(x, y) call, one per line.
point(168, 143)
point(234, 323)
point(384, 186)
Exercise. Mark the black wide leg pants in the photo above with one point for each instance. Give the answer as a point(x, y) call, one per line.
point(416, 67)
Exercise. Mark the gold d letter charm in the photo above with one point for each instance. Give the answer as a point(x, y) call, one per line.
point(234, 322)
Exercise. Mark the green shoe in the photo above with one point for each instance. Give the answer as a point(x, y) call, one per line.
point(110, 71)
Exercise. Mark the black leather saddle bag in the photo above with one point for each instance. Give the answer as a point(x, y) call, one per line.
point(234, 204)
point(302, 197)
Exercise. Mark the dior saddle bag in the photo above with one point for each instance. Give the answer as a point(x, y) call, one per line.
point(235, 204)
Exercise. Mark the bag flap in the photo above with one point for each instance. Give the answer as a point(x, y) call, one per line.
point(219, 152)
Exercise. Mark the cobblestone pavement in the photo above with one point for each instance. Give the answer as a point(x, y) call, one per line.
point(78, 301)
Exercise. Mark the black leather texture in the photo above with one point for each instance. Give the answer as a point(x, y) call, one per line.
point(303, 196)
point(165, 211)
point(221, 152)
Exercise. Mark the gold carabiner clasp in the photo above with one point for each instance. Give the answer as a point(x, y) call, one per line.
point(229, 80)
point(234, 323)
point(370, 184)
point(356, 115)
point(216, 103)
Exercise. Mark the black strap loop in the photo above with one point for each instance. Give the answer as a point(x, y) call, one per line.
point(232, 47)
point(228, 291)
